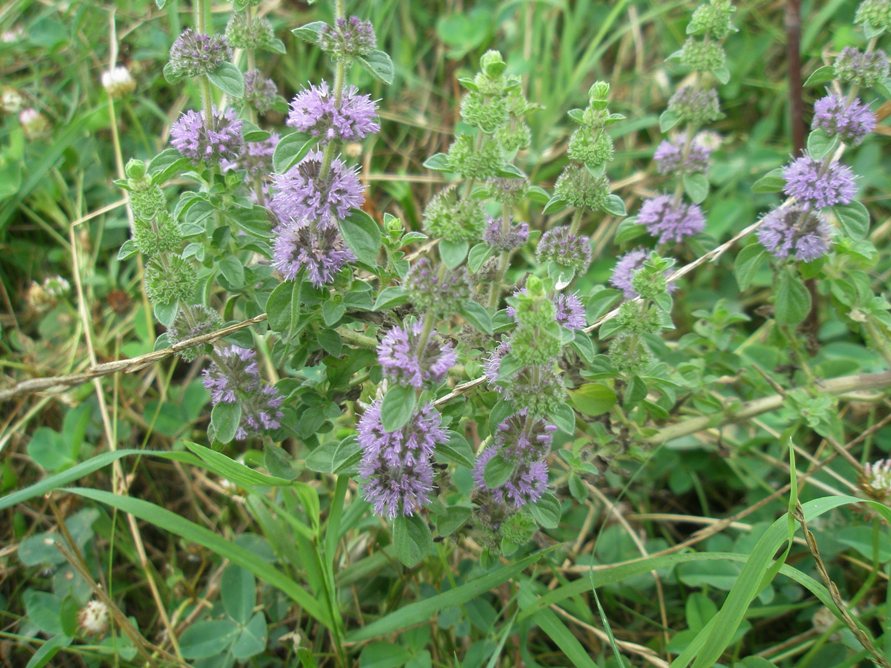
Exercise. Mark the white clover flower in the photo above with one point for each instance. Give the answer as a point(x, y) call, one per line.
point(876, 479)
point(11, 36)
point(56, 286)
point(118, 82)
point(11, 100)
point(93, 618)
point(34, 124)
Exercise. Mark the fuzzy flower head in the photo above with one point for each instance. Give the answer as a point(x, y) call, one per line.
point(199, 320)
point(191, 136)
point(526, 484)
point(876, 479)
point(670, 158)
point(850, 122)
point(816, 187)
point(195, 54)
point(577, 186)
point(255, 157)
point(321, 252)
point(501, 240)
point(695, 106)
point(797, 232)
point(538, 388)
point(244, 31)
point(861, 68)
point(625, 269)
point(259, 91)
point(444, 293)
point(234, 378)
point(561, 246)
point(396, 468)
point(569, 312)
point(316, 112)
point(669, 221)
point(524, 439)
point(507, 191)
point(453, 218)
point(93, 618)
point(874, 15)
point(117, 82)
point(404, 363)
point(348, 38)
point(302, 194)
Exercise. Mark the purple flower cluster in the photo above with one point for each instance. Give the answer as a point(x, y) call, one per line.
point(569, 311)
point(301, 194)
point(561, 246)
point(795, 231)
point(320, 251)
point(816, 186)
point(668, 220)
point(316, 111)
point(402, 362)
point(515, 236)
point(396, 466)
point(861, 68)
point(259, 91)
point(348, 38)
point(255, 157)
point(191, 136)
point(443, 293)
point(522, 438)
point(850, 121)
point(670, 158)
point(234, 378)
point(526, 484)
point(195, 54)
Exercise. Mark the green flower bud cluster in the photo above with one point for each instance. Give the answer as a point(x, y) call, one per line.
point(452, 218)
point(650, 281)
point(580, 188)
point(507, 191)
point(703, 56)
point(518, 529)
point(169, 279)
point(248, 32)
point(536, 340)
point(189, 323)
point(476, 157)
point(695, 106)
point(538, 388)
point(874, 15)
point(861, 68)
point(629, 354)
point(590, 144)
point(154, 231)
point(714, 20)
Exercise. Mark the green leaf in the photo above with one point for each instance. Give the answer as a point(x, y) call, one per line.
point(228, 79)
point(332, 312)
point(454, 518)
point(290, 150)
point(668, 120)
point(772, 182)
point(747, 264)
point(225, 418)
point(412, 539)
point(195, 533)
point(593, 399)
point(238, 591)
point(389, 298)
point(696, 186)
point(821, 75)
point(167, 164)
point(477, 316)
point(554, 205)
point(397, 407)
point(205, 639)
point(478, 256)
point(854, 219)
point(616, 206)
point(498, 471)
point(232, 270)
point(438, 162)
point(547, 511)
point(252, 639)
point(309, 31)
point(363, 236)
point(564, 417)
point(379, 65)
point(384, 655)
point(48, 651)
point(279, 306)
point(819, 144)
point(453, 252)
point(421, 612)
point(722, 74)
point(793, 300)
point(456, 450)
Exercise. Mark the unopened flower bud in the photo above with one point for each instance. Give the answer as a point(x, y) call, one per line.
point(118, 82)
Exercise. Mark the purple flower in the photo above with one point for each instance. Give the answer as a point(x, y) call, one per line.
point(670, 158)
point(521, 438)
point(315, 111)
point(234, 378)
point(348, 38)
point(624, 271)
point(561, 246)
point(526, 484)
point(255, 157)
point(492, 364)
point(795, 231)
point(813, 185)
point(222, 141)
point(195, 54)
point(302, 194)
point(515, 236)
point(696, 106)
point(668, 220)
point(851, 122)
point(396, 468)
point(443, 293)
point(403, 363)
point(861, 68)
point(319, 251)
point(259, 91)
point(569, 311)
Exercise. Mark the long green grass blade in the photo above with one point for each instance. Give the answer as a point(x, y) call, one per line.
point(556, 630)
